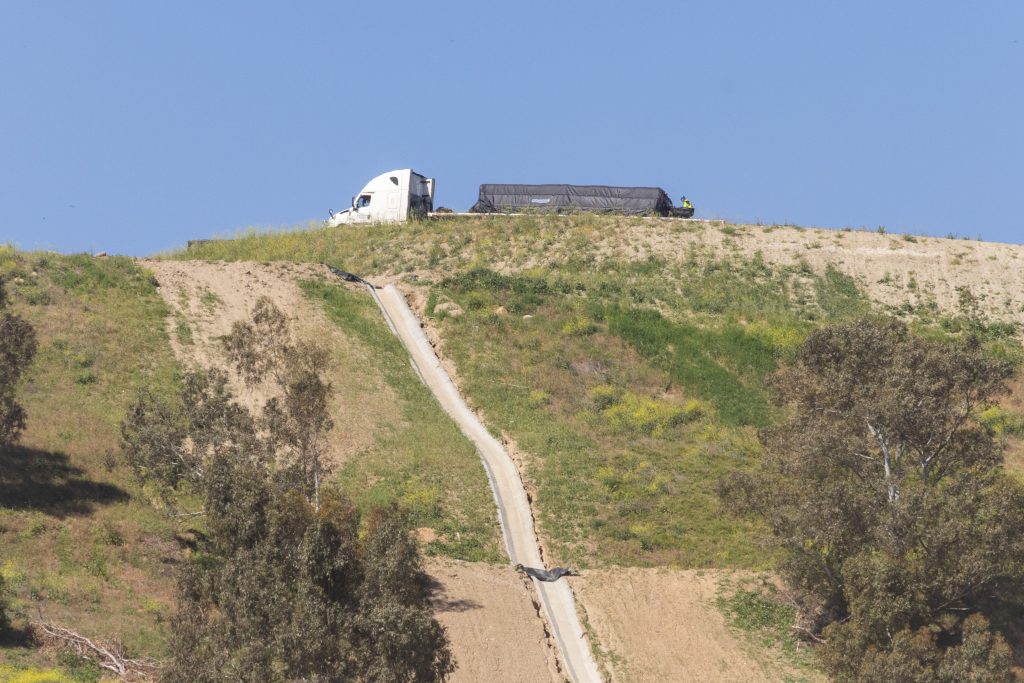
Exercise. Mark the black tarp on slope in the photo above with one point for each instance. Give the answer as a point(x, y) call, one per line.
point(553, 574)
point(596, 198)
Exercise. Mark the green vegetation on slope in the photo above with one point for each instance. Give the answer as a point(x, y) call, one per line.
point(78, 541)
point(711, 363)
point(423, 462)
point(83, 543)
point(629, 383)
point(631, 394)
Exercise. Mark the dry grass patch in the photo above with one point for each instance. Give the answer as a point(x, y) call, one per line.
point(663, 625)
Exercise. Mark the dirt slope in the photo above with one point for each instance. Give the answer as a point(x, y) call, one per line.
point(207, 297)
point(662, 625)
point(492, 622)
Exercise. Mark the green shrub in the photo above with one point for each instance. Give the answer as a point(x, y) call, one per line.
point(839, 297)
point(756, 610)
point(604, 396)
point(86, 378)
point(1002, 422)
point(538, 399)
point(579, 325)
point(695, 410)
point(634, 414)
point(183, 332)
point(108, 534)
point(785, 340)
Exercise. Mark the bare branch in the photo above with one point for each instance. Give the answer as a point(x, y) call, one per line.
point(893, 487)
point(809, 633)
point(109, 657)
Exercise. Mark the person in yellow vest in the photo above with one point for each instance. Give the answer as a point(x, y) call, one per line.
point(686, 210)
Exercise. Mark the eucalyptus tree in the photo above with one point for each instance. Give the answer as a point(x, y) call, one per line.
point(902, 535)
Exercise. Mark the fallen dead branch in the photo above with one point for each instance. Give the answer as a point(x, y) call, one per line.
point(809, 634)
point(109, 657)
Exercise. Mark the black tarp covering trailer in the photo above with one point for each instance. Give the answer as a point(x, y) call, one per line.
point(568, 198)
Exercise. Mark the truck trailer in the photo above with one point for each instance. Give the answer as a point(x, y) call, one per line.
point(495, 198)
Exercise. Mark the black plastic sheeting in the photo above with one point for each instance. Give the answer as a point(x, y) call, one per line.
point(347, 276)
point(568, 198)
point(553, 574)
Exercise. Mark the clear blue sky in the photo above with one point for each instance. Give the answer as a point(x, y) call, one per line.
point(134, 126)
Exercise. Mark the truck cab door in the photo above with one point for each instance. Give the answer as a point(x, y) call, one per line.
point(362, 206)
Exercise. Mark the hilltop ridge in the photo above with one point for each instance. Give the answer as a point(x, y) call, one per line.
point(896, 270)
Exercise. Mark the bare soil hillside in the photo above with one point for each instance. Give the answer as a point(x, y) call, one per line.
point(891, 269)
point(662, 625)
point(206, 298)
point(493, 623)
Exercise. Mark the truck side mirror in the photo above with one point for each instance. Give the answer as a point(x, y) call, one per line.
point(354, 203)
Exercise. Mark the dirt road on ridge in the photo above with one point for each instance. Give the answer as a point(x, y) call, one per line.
point(513, 506)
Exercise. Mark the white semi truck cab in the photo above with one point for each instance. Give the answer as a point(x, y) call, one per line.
point(390, 197)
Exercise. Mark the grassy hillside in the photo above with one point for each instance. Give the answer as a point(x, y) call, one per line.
point(79, 544)
point(83, 546)
point(628, 359)
point(632, 396)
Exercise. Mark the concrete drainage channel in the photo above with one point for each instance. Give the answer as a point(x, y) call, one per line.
point(514, 510)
